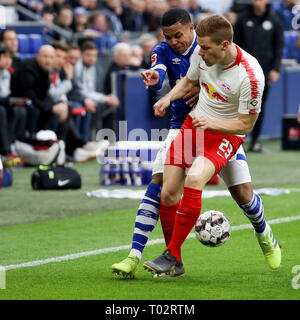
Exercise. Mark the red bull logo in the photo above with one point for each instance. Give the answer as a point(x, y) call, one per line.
point(212, 93)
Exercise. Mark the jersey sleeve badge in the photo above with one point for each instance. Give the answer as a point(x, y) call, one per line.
point(153, 59)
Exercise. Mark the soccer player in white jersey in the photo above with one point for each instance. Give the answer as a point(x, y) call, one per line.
point(232, 84)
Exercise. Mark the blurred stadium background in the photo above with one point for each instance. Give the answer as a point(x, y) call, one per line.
point(38, 225)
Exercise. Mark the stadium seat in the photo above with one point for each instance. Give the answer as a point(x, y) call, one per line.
point(290, 44)
point(26, 55)
point(290, 38)
point(285, 54)
point(24, 45)
point(36, 42)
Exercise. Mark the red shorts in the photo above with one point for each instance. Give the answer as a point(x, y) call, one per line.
point(191, 143)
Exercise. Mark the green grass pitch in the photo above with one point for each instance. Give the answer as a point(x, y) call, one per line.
point(37, 225)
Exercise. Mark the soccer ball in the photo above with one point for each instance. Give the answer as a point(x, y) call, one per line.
point(212, 228)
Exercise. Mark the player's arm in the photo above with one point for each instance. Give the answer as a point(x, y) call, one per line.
point(179, 91)
point(153, 78)
point(150, 78)
point(243, 125)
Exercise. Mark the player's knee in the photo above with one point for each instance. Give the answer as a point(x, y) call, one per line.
point(194, 181)
point(157, 179)
point(242, 193)
point(169, 196)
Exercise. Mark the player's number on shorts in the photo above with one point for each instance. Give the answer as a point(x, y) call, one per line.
point(225, 149)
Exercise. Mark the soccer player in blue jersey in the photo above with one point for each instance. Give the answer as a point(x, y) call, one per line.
point(172, 57)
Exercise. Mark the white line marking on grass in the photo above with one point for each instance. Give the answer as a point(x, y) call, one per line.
point(126, 247)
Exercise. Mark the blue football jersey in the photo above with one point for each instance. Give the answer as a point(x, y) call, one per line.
point(166, 60)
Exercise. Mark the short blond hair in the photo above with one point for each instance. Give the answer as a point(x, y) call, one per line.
point(215, 26)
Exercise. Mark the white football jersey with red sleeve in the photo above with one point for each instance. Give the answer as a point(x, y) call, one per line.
point(229, 90)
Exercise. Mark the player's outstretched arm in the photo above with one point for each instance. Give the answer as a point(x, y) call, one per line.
point(184, 86)
point(192, 96)
point(150, 78)
point(243, 125)
point(179, 91)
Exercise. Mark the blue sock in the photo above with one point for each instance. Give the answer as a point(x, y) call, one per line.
point(146, 219)
point(254, 211)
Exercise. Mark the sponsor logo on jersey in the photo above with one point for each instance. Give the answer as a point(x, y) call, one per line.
point(176, 61)
point(212, 93)
point(226, 87)
point(153, 59)
point(253, 105)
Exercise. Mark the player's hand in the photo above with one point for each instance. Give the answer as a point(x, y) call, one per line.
point(274, 76)
point(90, 105)
point(150, 78)
point(20, 102)
point(69, 71)
point(61, 110)
point(161, 106)
point(200, 122)
point(112, 100)
point(193, 94)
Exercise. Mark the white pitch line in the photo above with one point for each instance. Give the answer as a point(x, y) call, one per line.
point(126, 247)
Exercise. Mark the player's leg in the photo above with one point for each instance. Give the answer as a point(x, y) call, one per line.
point(188, 211)
point(190, 206)
point(212, 152)
point(147, 214)
point(237, 177)
point(145, 221)
point(170, 199)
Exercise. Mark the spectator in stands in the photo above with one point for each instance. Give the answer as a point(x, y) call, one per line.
point(82, 3)
point(287, 14)
point(88, 86)
point(122, 54)
point(58, 4)
point(113, 10)
point(74, 54)
point(48, 16)
point(178, 4)
point(48, 5)
point(90, 5)
point(61, 84)
point(137, 56)
point(9, 39)
point(80, 19)
point(99, 29)
point(148, 42)
point(135, 17)
point(122, 60)
point(12, 111)
point(35, 6)
point(32, 80)
point(64, 20)
point(93, 4)
point(231, 17)
point(158, 9)
point(259, 32)
point(239, 6)
point(194, 9)
point(61, 77)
